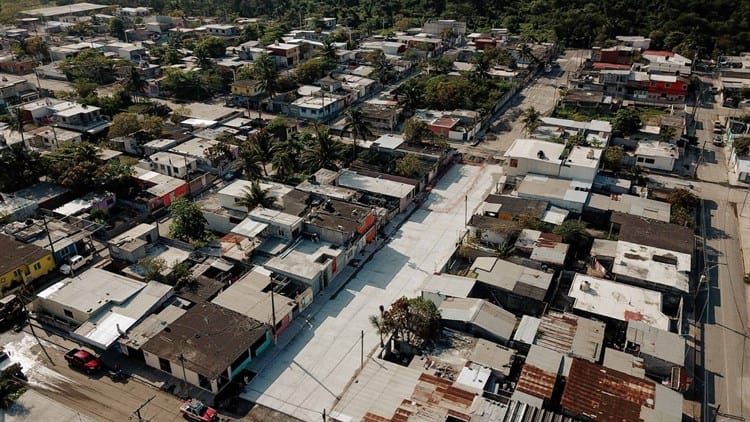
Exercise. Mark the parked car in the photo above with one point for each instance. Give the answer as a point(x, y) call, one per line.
point(83, 360)
point(195, 410)
point(718, 141)
point(74, 264)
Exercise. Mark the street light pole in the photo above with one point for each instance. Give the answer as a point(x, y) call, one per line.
point(184, 374)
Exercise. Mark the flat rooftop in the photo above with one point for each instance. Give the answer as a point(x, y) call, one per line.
point(659, 266)
point(539, 186)
point(449, 285)
point(238, 188)
point(658, 343)
point(151, 326)
point(305, 261)
point(633, 205)
point(353, 180)
point(657, 149)
point(92, 290)
point(48, 12)
point(667, 236)
point(618, 301)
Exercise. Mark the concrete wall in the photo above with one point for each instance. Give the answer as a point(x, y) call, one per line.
point(660, 163)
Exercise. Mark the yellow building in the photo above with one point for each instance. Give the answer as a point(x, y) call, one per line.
point(244, 88)
point(21, 263)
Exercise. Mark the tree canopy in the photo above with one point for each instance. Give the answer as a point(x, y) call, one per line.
point(188, 222)
point(413, 320)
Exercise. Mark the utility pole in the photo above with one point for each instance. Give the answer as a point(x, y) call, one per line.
point(273, 316)
point(31, 327)
point(49, 237)
point(138, 410)
point(466, 210)
point(184, 375)
point(362, 350)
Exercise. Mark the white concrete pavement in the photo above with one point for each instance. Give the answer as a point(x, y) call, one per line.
point(311, 372)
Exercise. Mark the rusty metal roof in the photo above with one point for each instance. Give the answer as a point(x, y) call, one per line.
point(605, 394)
point(540, 372)
point(567, 333)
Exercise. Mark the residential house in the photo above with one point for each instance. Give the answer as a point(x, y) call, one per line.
point(512, 208)
point(243, 90)
point(64, 240)
point(656, 155)
point(545, 248)
point(478, 317)
point(594, 131)
point(150, 327)
point(619, 54)
point(661, 350)
point(541, 371)
point(82, 118)
point(313, 263)
point(222, 30)
point(317, 107)
point(565, 333)
point(570, 195)
point(22, 263)
point(552, 159)
point(18, 66)
point(322, 184)
point(235, 191)
point(46, 195)
point(15, 208)
point(600, 207)
point(158, 190)
point(441, 26)
point(171, 164)
point(91, 201)
point(15, 90)
point(595, 392)
point(272, 223)
point(208, 346)
point(398, 192)
point(671, 237)
point(49, 138)
point(131, 245)
point(456, 125)
point(261, 296)
point(341, 223)
point(285, 54)
point(203, 150)
point(635, 41)
point(440, 286)
point(218, 218)
point(127, 51)
point(98, 306)
point(492, 230)
point(514, 287)
point(617, 302)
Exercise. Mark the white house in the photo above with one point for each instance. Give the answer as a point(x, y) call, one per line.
point(552, 159)
point(656, 155)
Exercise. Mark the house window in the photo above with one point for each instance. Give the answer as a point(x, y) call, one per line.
point(37, 266)
point(668, 85)
point(165, 365)
point(64, 252)
point(513, 162)
point(204, 382)
point(640, 159)
point(282, 233)
point(17, 273)
point(653, 83)
point(68, 313)
point(650, 161)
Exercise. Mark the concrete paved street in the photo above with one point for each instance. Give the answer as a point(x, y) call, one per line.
point(310, 373)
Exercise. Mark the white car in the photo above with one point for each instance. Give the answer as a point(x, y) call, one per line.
point(74, 264)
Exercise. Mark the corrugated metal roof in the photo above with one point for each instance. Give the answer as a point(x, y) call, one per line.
point(540, 372)
point(661, 344)
point(570, 334)
point(605, 394)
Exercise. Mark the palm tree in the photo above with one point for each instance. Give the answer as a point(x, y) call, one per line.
point(410, 97)
point(482, 66)
point(283, 162)
point(16, 123)
point(322, 152)
point(251, 163)
point(380, 326)
point(357, 126)
point(266, 74)
point(262, 145)
point(134, 84)
point(328, 50)
point(256, 196)
point(383, 68)
point(531, 120)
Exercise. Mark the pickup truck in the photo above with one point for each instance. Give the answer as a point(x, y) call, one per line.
point(195, 410)
point(83, 360)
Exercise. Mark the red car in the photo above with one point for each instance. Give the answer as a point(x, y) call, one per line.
point(195, 410)
point(83, 360)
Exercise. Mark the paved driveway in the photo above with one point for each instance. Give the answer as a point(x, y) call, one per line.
point(311, 372)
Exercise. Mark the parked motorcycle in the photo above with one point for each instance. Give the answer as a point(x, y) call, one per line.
point(116, 373)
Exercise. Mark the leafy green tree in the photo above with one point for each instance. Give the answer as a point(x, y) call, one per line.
point(21, 168)
point(134, 83)
point(357, 126)
point(531, 120)
point(408, 166)
point(188, 222)
point(626, 122)
point(383, 69)
point(90, 65)
point(117, 28)
point(410, 97)
point(283, 163)
point(128, 123)
point(213, 47)
point(310, 71)
point(37, 48)
point(328, 51)
point(266, 73)
point(181, 276)
point(84, 88)
point(154, 268)
point(682, 198)
point(255, 196)
point(263, 147)
point(185, 85)
point(11, 388)
point(322, 152)
point(77, 166)
point(413, 320)
point(416, 131)
point(612, 159)
point(574, 233)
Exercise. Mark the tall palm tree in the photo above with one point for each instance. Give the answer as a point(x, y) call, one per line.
point(256, 196)
point(357, 126)
point(283, 162)
point(380, 326)
point(251, 163)
point(328, 50)
point(16, 123)
point(134, 84)
point(410, 98)
point(531, 120)
point(322, 151)
point(482, 66)
point(266, 74)
point(262, 145)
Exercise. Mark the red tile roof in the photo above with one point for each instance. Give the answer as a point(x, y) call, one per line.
point(658, 53)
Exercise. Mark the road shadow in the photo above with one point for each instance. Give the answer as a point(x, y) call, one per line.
point(712, 232)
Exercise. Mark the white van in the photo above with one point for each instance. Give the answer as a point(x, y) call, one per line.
point(74, 264)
